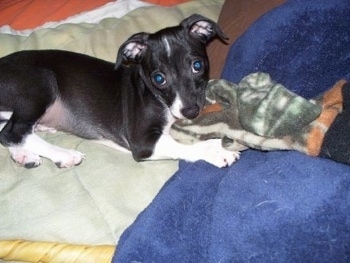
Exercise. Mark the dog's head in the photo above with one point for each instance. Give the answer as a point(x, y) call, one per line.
point(173, 63)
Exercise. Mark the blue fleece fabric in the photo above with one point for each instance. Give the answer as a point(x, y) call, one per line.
point(303, 44)
point(269, 206)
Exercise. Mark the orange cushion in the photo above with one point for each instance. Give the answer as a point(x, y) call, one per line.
point(28, 14)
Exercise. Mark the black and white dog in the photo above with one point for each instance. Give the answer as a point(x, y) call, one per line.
point(130, 105)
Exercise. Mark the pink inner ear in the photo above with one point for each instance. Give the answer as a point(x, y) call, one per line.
point(202, 28)
point(133, 50)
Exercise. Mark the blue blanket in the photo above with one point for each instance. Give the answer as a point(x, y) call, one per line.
point(269, 206)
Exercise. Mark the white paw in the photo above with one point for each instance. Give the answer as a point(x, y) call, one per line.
point(214, 153)
point(24, 157)
point(66, 158)
point(28, 153)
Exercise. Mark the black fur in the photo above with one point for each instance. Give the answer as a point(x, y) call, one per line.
point(102, 100)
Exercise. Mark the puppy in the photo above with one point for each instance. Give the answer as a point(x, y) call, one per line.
point(128, 105)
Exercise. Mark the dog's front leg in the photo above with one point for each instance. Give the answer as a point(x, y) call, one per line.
point(210, 151)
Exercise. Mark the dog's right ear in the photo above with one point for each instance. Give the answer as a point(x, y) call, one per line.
point(132, 50)
point(203, 28)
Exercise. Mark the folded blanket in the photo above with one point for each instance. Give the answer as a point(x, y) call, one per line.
point(261, 114)
point(302, 44)
point(270, 206)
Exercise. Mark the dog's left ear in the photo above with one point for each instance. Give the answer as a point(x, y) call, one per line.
point(132, 50)
point(203, 28)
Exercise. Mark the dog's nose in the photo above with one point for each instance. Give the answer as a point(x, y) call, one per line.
point(190, 112)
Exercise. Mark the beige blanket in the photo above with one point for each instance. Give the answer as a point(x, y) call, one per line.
point(92, 203)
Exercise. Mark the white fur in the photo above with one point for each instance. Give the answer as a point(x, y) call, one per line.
point(167, 46)
point(33, 147)
point(210, 150)
point(5, 115)
point(176, 108)
point(2, 125)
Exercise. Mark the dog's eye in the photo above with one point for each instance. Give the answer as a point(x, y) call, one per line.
point(197, 66)
point(159, 79)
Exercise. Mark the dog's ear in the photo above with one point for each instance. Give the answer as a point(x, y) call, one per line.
point(203, 28)
point(132, 50)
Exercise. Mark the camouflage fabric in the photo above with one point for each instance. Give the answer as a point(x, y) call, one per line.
point(262, 114)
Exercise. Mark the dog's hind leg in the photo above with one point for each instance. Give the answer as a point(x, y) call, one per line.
point(26, 147)
point(24, 157)
point(23, 105)
point(8, 138)
point(27, 153)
